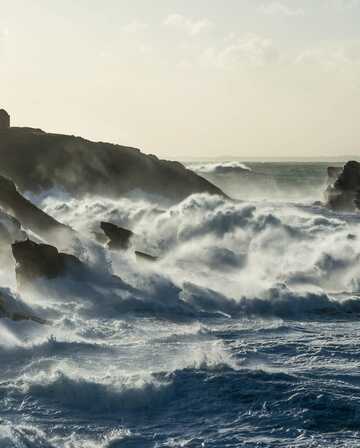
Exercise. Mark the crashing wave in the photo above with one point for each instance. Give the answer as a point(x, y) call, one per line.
point(225, 246)
point(221, 168)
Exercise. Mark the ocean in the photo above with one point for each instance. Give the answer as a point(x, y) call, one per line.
point(243, 334)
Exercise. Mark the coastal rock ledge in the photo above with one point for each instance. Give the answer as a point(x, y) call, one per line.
point(38, 161)
point(344, 193)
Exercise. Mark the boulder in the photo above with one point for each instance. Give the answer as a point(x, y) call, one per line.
point(119, 238)
point(344, 193)
point(34, 261)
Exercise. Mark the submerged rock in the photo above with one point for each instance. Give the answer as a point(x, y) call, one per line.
point(39, 161)
point(119, 238)
point(35, 261)
point(141, 256)
point(344, 193)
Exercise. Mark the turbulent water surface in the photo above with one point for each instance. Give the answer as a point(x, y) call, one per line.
point(244, 333)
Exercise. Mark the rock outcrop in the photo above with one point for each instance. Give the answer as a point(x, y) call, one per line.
point(10, 230)
point(15, 310)
point(38, 161)
point(344, 193)
point(119, 238)
point(333, 173)
point(28, 214)
point(34, 261)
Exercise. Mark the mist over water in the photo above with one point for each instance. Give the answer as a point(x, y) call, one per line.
point(279, 181)
point(244, 333)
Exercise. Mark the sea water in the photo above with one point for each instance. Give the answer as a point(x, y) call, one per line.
point(243, 334)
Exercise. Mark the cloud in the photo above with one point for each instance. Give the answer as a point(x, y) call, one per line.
point(343, 4)
point(277, 8)
point(333, 57)
point(191, 26)
point(135, 26)
point(250, 49)
point(339, 61)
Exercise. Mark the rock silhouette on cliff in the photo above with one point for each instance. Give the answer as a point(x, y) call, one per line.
point(36, 161)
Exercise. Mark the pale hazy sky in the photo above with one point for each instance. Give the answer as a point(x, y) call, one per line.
point(183, 78)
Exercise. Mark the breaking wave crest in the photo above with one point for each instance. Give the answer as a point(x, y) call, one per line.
point(220, 256)
point(221, 168)
point(245, 328)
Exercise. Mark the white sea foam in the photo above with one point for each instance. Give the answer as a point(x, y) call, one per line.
point(220, 329)
point(238, 250)
point(220, 168)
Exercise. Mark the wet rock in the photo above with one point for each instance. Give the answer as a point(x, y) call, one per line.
point(10, 230)
point(344, 193)
point(141, 256)
point(119, 238)
point(100, 237)
point(10, 309)
point(333, 173)
point(29, 215)
point(34, 261)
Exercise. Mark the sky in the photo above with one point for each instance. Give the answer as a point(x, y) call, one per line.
point(187, 78)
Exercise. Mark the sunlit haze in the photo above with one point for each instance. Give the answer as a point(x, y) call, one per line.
point(187, 79)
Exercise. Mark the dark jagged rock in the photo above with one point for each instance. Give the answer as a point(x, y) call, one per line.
point(120, 239)
point(333, 173)
point(28, 214)
point(35, 261)
point(38, 161)
point(10, 230)
point(141, 256)
point(118, 236)
point(344, 193)
point(349, 178)
point(22, 316)
point(10, 309)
